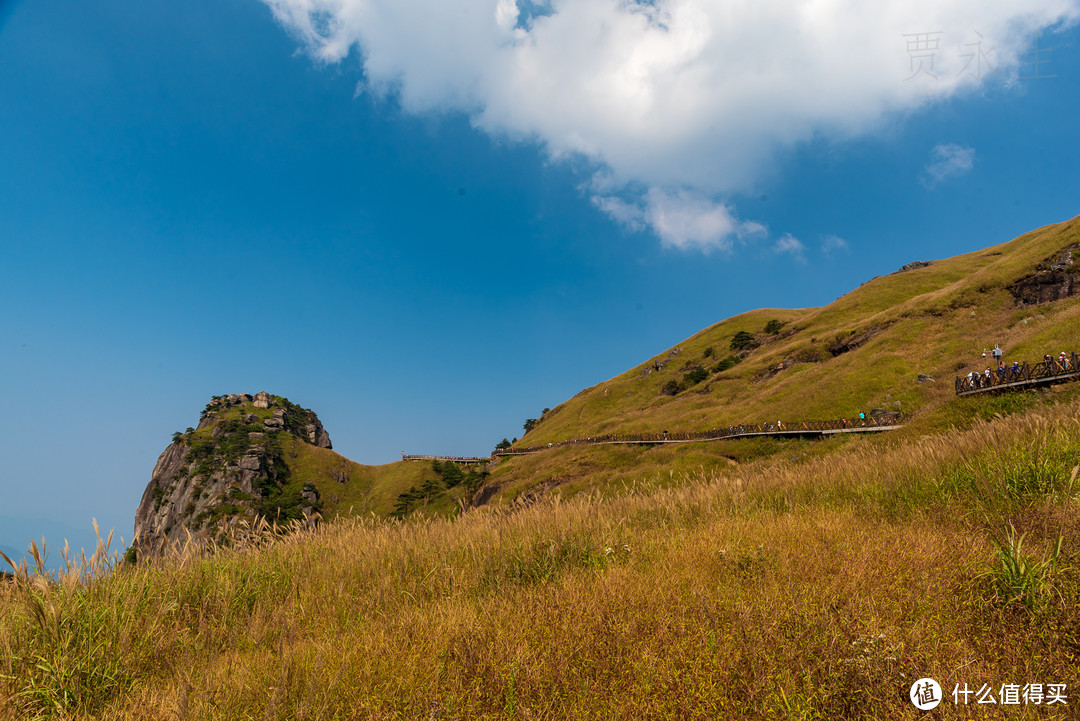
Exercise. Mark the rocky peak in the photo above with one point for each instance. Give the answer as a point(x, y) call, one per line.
point(232, 465)
point(284, 415)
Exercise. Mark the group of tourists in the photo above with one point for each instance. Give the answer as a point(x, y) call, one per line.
point(1005, 373)
point(1063, 363)
point(863, 418)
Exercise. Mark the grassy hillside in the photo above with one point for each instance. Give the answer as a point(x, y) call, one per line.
point(366, 489)
point(815, 587)
point(934, 320)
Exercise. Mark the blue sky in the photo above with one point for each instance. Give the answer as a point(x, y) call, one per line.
point(429, 228)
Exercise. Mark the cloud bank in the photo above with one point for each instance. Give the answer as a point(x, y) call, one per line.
point(690, 100)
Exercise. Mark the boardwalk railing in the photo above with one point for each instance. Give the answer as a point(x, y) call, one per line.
point(1020, 375)
point(881, 422)
point(452, 459)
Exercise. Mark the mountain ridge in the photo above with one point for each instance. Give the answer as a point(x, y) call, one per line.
point(889, 316)
point(891, 345)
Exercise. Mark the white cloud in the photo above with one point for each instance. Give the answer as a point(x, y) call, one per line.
point(833, 243)
point(506, 14)
point(694, 95)
point(682, 219)
point(626, 214)
point(788, 244)
point(947, 161)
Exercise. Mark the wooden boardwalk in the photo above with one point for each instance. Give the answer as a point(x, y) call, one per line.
point(790, 433)
point(1021, 376)
point(1016, 377)
point(453, 459)
point(797, 429)
point(780, 429)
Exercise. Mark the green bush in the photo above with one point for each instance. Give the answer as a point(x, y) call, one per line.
point(451, 474)
point(729, 362)
point(416, 496)
point(696, 376)
point(773, 326)
point(281, 505)
point(743, 340)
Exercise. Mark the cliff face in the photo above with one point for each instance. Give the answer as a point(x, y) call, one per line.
point(231, 466)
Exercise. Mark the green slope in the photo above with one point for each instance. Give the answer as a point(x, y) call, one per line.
point(366, 489)
point(934, 320)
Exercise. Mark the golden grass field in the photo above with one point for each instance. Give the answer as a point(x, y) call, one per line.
point(797, 589)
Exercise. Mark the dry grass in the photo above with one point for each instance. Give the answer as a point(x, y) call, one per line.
point(776, 589)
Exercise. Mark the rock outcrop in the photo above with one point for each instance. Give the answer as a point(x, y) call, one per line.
point(914, 265)
point(231, 466)
point(1056, 278)
point(846, 343)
